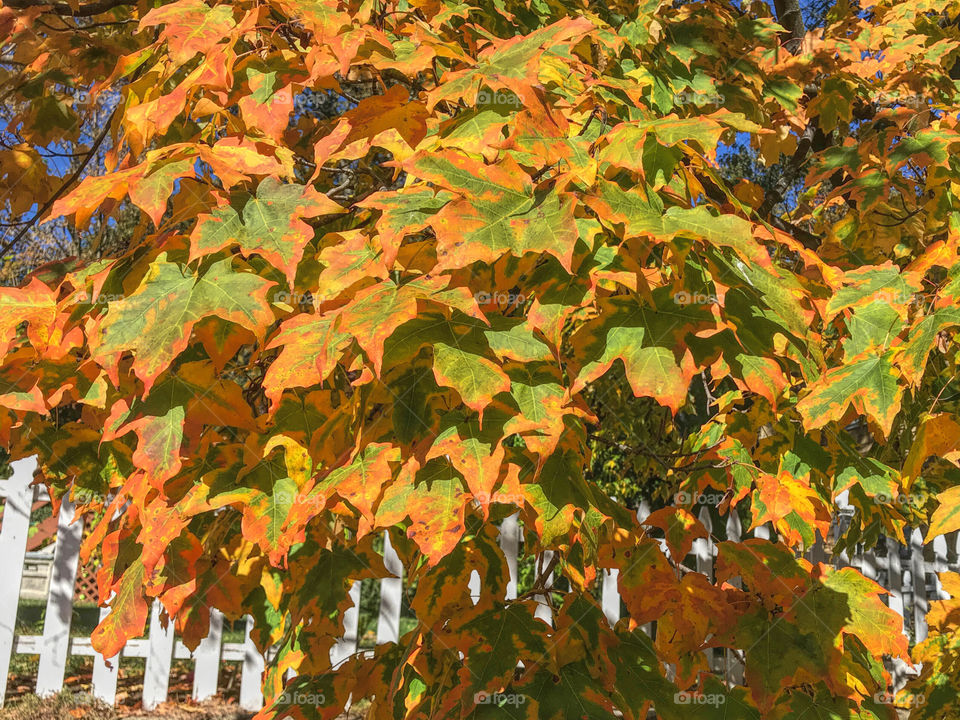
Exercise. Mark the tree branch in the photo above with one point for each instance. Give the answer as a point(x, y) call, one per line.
point(62, 189)
point(61, 8)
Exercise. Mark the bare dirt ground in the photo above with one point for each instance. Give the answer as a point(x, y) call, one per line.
point(67, 706)
point(70, 705)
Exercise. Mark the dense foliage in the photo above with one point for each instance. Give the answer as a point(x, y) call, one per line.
point(404, 266)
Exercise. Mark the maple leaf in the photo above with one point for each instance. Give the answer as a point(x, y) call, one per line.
point(191, 27)
point(646, 339)
point(680, 529)
point(393, 121)
point(946, 518)
point(937, 436)
point(475, 378)
point(921, 340)
point(272, 225)
point(36, 304)
point(868, 383)
point(434, 498)
point(496, 212)
point(506, 636)
point(311, 348)
point(792, 506)
point(361, 482)
point(474, 451)
point(128, 613)
point(154, 322)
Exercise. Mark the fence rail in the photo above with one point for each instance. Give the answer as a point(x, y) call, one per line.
point(903, 570)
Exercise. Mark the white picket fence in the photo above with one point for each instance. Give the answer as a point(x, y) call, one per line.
point(910, 579)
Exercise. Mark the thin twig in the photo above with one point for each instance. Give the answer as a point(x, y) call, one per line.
point(5, 248)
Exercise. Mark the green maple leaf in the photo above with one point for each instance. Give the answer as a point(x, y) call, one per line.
point(154, 322)
point(868, 383)
point(647, 340)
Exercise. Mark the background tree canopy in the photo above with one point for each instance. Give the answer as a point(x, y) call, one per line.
point(322, 269)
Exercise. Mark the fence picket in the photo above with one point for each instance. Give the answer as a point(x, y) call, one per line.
point(868, 564)
point(391, 595)
point(104, 685)
point(156, 677)
point(733, 668)
point(940, 565)
point(918, 571)
point(895, 579)
point(703, 547)
point(56, 623)
point(347, 645)
point(510, 545)
point(13, 544)
point(543, 611)
point(206, 670)
point(610, 596)
point(251, 675)
point(643, 512)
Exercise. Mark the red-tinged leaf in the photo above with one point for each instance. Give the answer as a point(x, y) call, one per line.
point(795, 509)
point(406, 211)
point(434, 498)
point(360, 482)
point(268, 107)
point(235, 160)
point(373, 315)
point(354, 257)
point(476, 453)
point(191, 27)
point(393, 121)
point(312, 346)
point(36, 304)
point(763, 376)
point(160, 526)
point(514, 212)
point(158, 444)
point(25, 401)
point(151, 192)
point(221, 341)
point(93, 191)
point(128, 614)
point(680, 529)
point(770, 569)
point(265, 516)
point(511, 64)
point(497, 211)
